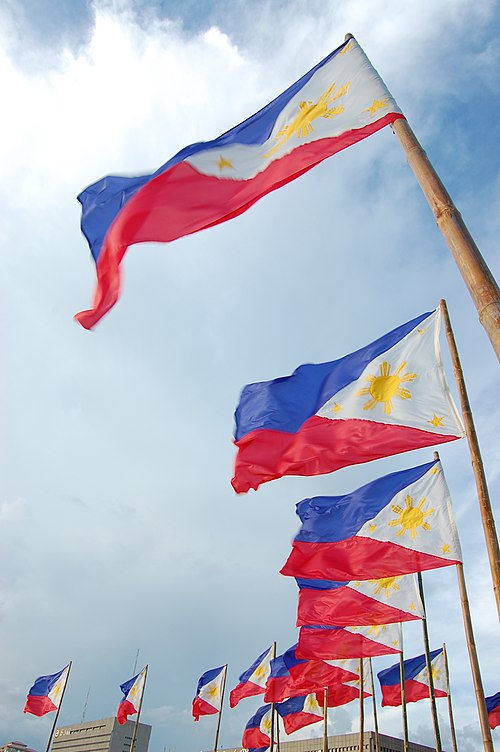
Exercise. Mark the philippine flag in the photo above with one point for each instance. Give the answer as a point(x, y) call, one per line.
point(341, 101)
point(133, 690)
point(46, 693)
point(209, 692)
point(298, 712)
point(308, 675)
point(359, 602)
point(324, 643)
point(493, 708)
point(398, 524)
point(416, 679)
point(253, 680)
point(389, 397)
point(258, 729)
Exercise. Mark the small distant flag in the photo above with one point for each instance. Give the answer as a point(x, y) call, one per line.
point(46, 693)
point(360, 602)
point(253, 680)
point(416, 679)
point(133, 690)
point(209, 692)
point(341, 101)
point(329, 643)
point(389, 397)
point(298, 712)
point(257, 731)
point(397, 524)
point(493, 708)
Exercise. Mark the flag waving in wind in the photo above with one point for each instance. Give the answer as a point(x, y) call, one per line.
point(133, 690)
point(329, 643)
point(209, 692)
point(416, 679)
point(395, 525)
point(257, 731)
point(341, 101)
point(46, 693)
point(253, 680)
point(389, 397)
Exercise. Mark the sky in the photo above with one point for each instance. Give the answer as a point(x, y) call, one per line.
point(120, 530)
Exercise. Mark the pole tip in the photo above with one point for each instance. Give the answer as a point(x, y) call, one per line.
point(436, 455)
point(348, 36)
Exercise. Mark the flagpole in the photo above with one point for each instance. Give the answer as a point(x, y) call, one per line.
point(474, 663)
point(325, 716)
point(403, 697)
point(59, 708)
point(361, 708)
point(273, 708)
point(375, 716)
point(472, 266)
point(136, 724)
point(432, 695)
point(220, 711)
point(477, 462)
point(450, 707)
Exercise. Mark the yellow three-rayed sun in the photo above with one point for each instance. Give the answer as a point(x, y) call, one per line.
point(387, 584)
point(213, 691)
point(411, 518)
point(386, 386)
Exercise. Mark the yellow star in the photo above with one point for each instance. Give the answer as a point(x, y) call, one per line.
point(422, 331)
point(378, 104)
point(224, 163)
point(372, 528)
point(412, 607)
point(435, 470)
point(445, 549)
point(395, 643)
point(357, 584)
point(436, 421)
point(336, 408)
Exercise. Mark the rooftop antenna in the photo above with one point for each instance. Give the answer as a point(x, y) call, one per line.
point(85, 706)
point(135, 664)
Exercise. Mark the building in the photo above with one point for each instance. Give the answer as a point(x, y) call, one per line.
point(16, 747)
point(348, 743)
point(106, 735)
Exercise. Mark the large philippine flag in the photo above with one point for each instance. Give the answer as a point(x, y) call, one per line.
point(359, 602)
point(493, 708)
point(253, 680)
point(298, 712)
point(209, 692)
point(334, 643)
point(395, 525)
point(258, 728)
point(46, 693)
point(308, 675)
point(133, 689)
point(389, 397)
point(341, 101)
point(416, 679)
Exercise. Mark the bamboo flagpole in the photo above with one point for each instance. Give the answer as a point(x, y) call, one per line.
point(273, 711)
point(375, 715)
point(450, 707)
point(220, 711)
point(136, 724)
point(325, 719)
point(403, 698)
point(49, 742)
point(487, 518)
point(361, 707)
point(432, 695)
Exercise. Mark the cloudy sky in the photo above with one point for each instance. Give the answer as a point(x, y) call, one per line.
point(120, 531)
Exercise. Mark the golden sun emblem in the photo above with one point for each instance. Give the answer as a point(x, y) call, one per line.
point(386, 584)
point(260, 672)
point(376, 629)
point(213, 691)
point(386, 386)
point(266, 724)
point(411, 518)
point(301, 126)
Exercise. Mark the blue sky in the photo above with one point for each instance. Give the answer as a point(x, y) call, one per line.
point(120, 528)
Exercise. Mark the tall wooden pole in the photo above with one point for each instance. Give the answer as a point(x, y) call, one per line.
point(136, 724)
point(361, 707)
point(432, 696)
point(474, 663)
point(220, 711)
point(450, 706)
point(487, 518)
point(403, 701)
point(325, 717)
point(273, 712)
point(375, 715)
point(476, 274)
point(49, 742)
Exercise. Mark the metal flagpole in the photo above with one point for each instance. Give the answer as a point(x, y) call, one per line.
point(325, 717)
point(375, 716)
point(477, 462)
point(58, 709)
point(450, 708)
point(136, 724)
point(403, 697)
point(432, 696)
point(361, 708)
point(220, 711)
